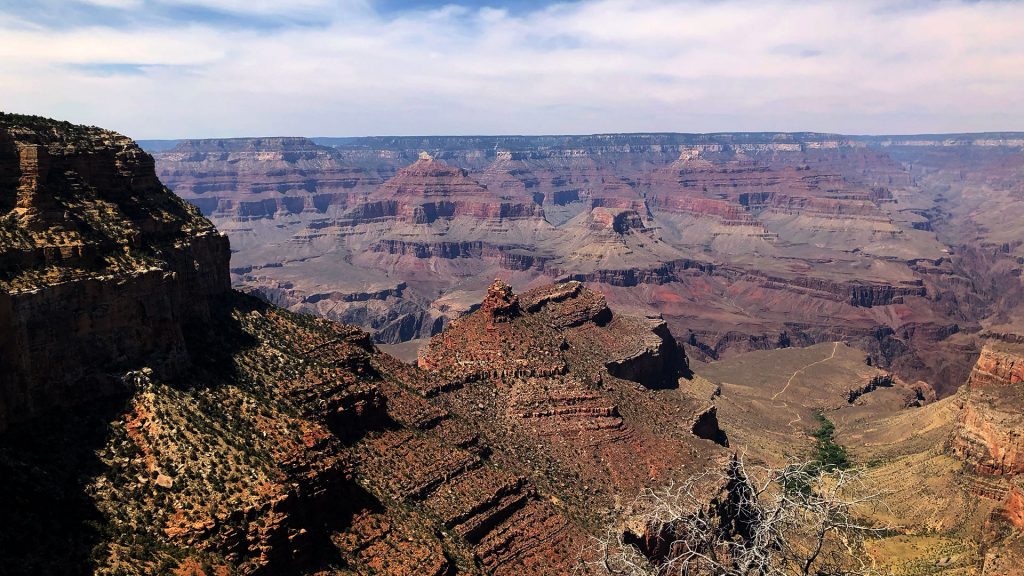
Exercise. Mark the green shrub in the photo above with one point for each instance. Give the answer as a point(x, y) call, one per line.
point(827, 454)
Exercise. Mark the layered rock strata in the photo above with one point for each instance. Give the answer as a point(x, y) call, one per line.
point(798, 238)
point(988, 437)
point(989, 434)
point(101, 265)
point(555, 376)
point(160, 421)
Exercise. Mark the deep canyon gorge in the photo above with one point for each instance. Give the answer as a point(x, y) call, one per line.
point(906, 246)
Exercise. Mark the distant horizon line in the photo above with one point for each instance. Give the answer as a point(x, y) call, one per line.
point(1001, 133)
point(997, 134)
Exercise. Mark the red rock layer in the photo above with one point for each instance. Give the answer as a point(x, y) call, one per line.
point(429, 190)
point(1014, 508)
point(988, 432)
point(997, 369)
point(258, 178)
point(732, 184)
point(557, 377)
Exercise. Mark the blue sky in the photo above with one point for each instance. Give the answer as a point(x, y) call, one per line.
point(204, 68)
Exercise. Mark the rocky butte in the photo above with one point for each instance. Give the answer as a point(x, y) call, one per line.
point(155, 421)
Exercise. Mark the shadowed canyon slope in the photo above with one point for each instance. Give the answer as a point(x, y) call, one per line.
point(906, 248)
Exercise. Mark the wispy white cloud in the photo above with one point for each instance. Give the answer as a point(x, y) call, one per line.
point(589, 66)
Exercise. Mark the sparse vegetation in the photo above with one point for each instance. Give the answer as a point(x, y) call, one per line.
point(828, 455)
point(737, 523)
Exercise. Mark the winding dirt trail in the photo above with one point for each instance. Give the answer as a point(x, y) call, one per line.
point(835, 347)
point(794, 420)
point(785, 406)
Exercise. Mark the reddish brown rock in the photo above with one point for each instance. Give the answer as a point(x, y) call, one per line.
point(500, 305)
point(797, 238)
point(1014, 508)
point(998, 369)
point(568, 383)
point(430, 189)
point(261, 440)
point(989, 432)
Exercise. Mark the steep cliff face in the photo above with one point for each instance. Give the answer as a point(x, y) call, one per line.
point(988, 437)
point(989, 431)
point(100, 265)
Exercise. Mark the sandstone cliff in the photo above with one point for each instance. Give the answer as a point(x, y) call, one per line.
point(101, 265)
point(989, 433)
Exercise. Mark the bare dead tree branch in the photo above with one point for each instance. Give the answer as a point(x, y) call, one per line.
point(742, 521)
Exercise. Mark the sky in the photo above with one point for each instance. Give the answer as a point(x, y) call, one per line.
point(222, 68)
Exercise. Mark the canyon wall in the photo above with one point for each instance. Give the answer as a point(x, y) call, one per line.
point(100, 266)
point(787, 238)
point(199, 430)
point(989, 432)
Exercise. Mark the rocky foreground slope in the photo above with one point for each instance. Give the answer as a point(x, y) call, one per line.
point(907, 246)
point(156, 422)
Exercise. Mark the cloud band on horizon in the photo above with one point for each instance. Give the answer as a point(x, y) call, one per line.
point(203, 68)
